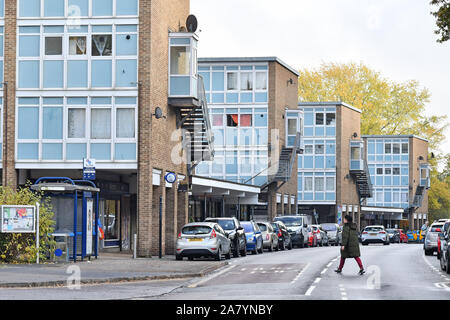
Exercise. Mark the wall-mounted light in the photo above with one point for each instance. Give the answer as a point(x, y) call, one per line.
point(290, 81)
point(158, 113)
point(355, 135)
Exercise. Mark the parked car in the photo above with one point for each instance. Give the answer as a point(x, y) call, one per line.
point(394, 236)
point(430, 244)
point(325, 240)
point(296, 226)
point(374, 234)
point(236, 232)
point(444, 256)
point(403, 236)
point(332, 230)
point(340, 236)
point(270, 237)
point(312, 238)
point(254, 237)
point(203, 239)
point(284, 237)
point(321, 235)
point(440, 240)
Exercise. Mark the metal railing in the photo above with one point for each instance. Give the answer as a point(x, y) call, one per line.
point(204, 105)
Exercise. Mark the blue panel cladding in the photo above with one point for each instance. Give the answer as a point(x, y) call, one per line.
point(54, 8)
point(319, 131)
point(77, 74)
point(180, 86)
point(319, 162)
point(29, 8)
point(78, 8)
point(330, 162)
point(52, 127)
point(309, 119)
point(29, 74)
point(232, 98)
point(102, 7)
point(28, 123)
point(127, 7)
point(126, 73)
point(76, 151)
point(27, 151)
point(308, 162)
point(396, 181)
point(261, 97)
point(52, 151)
point(218, 98)
point(125, 151)
point(206, 80)
point(246, 97)
point(319, 196)
point(309, 131)
point(125, 46)
point(29, 46)
point(308, 196)
point(101, 151)
point(218, 81)
point(330, 196)
point(53, 74)
point(101, 73)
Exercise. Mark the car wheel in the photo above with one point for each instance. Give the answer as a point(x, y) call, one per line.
point(277, 247)
point(244, 251)
point(442, 264)
point(283, 246)
point(219, 254)
point(290, 245)
point(302, 242)
point(178, 257)
point(191, 258)
point(261, 249)
point(228, 255)
point(364, 243)
point(427, 252)
point(236, 250)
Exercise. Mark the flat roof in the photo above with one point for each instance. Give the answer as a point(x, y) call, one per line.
point(327, 103)
point(393, 136)
point(248, 59)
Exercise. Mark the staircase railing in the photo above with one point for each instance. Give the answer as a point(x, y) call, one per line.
point(369, 180)
point(208, 128)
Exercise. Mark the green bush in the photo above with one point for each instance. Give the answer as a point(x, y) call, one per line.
point(21, 247)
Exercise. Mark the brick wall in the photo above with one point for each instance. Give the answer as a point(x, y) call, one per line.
point(418, 148)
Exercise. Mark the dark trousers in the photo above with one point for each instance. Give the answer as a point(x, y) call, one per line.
point(358, 260)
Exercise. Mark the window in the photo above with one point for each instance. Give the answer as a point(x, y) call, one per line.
point(404, 148)
point(423, 173)
point(388, 171)
point(329, 183)
point(318, 184)
point(232, 81)
point(261, 81)
point(331, 119)
point(76, 125)
point(387, 148)
point(179, 60)
point(232, 120)
point(217, 120)
point(292, 126)
point(379, 170)
point(246, 120)
point(320, 149)
point(355, 153)
point(396, 148)
point(101, 124)
point(319, 118)
point(102, 46)
point(308, 184)
point(125, 123)
point(53, 46)
point(308, 149)
point(246, 81)
point(77, 46)
point(396, 171)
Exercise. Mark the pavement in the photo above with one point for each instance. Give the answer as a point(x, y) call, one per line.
point(394, 272)
point(108, 268)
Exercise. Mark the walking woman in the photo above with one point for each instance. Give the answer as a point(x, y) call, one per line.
point(350, 244)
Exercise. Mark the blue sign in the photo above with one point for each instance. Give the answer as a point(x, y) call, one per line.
point(88, 169)
point(170, 177)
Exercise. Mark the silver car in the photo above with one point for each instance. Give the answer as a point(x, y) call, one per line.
point(270, 237)
point(431, 239)
point(374, 234)
point(333, 232)
point(203, 239)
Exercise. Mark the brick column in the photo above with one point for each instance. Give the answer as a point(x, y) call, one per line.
point(171, 219)
point(9, 177)
point(282, 204)
point(159, 191)
point(182, 210)
point(272, 202)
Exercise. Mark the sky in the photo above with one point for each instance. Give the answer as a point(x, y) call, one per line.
point(393, 37)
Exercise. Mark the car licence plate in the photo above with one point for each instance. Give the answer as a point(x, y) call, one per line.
point(373, 234)
point(195, 239)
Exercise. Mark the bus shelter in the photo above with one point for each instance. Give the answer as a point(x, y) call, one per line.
point(75, 204)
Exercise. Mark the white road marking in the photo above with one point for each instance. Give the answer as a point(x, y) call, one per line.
point(324, 270)
point(300, 273)
point(194, 285)
point(310, 290)
point(328, 265)
point(317, 280)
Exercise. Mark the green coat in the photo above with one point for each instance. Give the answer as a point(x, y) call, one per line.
point(350, 241)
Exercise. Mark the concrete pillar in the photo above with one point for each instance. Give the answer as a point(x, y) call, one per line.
point(182, 209)
point(282, 204)
point(272, 202)
point(158, 191)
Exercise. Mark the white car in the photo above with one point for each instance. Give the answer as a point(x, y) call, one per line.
point(374, 234)
point(203, 239)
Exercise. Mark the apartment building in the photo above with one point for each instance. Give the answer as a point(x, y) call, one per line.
point(108, 80)
point(376, 179)
point(256, 124)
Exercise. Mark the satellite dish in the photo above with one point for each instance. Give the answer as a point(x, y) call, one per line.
point(191, 23)
point(158, 113)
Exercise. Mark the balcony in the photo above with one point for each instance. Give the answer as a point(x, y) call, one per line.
point(187, 95)
point(359, 169)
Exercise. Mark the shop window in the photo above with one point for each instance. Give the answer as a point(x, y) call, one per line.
point(246, 120)
point(232, 81)
point(232, 120)
point(101, 124)
point(246, 81)
point(101, 45)
point(331, 119)
point(77, 46)
point(261, 81)
point(76, 123)
point(53, 46)
point(319, 118)
point(125, 123)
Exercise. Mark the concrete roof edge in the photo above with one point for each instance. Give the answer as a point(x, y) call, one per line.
point(327, 103)
point(393, 136)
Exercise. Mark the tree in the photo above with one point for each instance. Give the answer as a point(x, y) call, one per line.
point(439, 193)
point(442, 19)
point(388, 107)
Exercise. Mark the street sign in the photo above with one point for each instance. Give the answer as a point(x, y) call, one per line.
point(18, 219)
point(88, 169)
point(170, 177)
point(339, 215)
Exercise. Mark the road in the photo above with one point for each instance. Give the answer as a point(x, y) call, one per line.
point(397, 271)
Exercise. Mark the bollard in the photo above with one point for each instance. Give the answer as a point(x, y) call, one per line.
point(134, 245)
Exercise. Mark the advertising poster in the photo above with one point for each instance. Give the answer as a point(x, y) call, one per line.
point(89, 225)
point(18, 219)
point(339, 215)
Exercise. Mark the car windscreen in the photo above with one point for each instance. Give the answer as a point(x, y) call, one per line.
point(225, 224)
point(435, 227)
point(391, 230)
point(247, 227)
point(291, 221)
point(329, 227)
point(373, 229)
point(262, 227)
point(196, 230)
